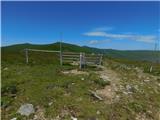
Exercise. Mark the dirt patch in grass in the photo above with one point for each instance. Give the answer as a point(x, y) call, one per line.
point(40, 114)
point(108, 93)
point(75, 72)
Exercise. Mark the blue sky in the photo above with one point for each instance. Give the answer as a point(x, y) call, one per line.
point(116, 25)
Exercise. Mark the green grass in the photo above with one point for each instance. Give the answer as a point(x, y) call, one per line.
point(139, 55)
point(143, 100)
point(41, 82)
point(144, 65)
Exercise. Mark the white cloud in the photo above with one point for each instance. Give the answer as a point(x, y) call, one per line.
point(141, 38)
point(103, 29)
point(92, 42)
point(99, 34)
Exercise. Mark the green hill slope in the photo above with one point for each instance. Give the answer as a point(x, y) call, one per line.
point(143, 55)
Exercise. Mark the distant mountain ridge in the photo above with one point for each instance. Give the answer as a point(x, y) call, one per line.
point(143, 55)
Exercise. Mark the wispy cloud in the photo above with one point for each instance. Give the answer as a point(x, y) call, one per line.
point(103, 28)
point(93, 42)
point(140, 38)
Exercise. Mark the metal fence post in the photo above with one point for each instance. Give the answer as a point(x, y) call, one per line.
point(80, 62)
point(61, 59)
point(26, 54)
point(100, 62)
point(84, 60)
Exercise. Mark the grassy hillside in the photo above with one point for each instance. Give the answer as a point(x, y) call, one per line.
point(63, 92)
point(142, 55)
point(54, 46)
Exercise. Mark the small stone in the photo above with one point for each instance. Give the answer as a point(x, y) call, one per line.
point(109, 90)
point(146, 80)
point(129, 88)
point(82, 78)
point(50, 103)
point(35, 117)
point(121, 87)
point(136, 87)
point(98, 112)
point(125, 93)
point(13, 119)
point(5, 68)
point(150, 112)
point(79, 99)
point(73, 118)
point(57, 118)
point(117, 98)
point(26, 109)
point(65, 72)
point(73, 83)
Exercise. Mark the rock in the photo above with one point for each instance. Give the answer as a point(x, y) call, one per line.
point(109, 90)
point(82, 78)
point(14, 118)
point(50, 103)
point(26, 109)
point(104, 77)
point(95, 95)
point(35, 117)
point(57, 118)
point(146, 80)
point(125, 93)
point(98, 112)
point(150, 112)
point(121, 87)
point(129, 88)
point(65, 72)
point(136, 87)
point(73, 118)
point(79, 99)
point(5, 68)
point(117, 98)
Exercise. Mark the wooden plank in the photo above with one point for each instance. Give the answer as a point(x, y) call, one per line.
point(92, 58)
point(92, 62)
point(69, 61)
point(93, 55)
point(70, 55)
point(67, 58)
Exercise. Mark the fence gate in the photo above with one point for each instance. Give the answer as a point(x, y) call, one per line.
point(80, 59)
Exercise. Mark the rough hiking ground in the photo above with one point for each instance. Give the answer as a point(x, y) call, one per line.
point(114, 91)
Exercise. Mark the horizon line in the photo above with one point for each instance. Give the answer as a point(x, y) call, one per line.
point(79, 46)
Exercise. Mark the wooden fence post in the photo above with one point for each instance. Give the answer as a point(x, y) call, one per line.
point(26, 54)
